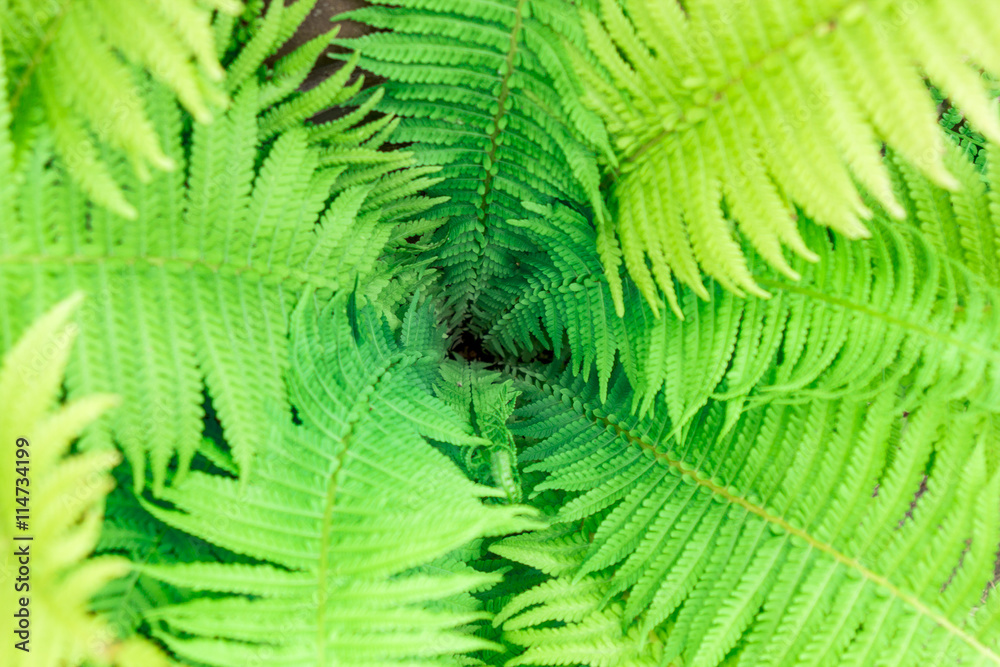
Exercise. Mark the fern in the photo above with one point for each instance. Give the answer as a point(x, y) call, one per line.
point(793, 537)
point(130, 531)
point(486, 91)
point(65, 70)
point(395, 383)
point(195, 293)
point(480, 396)
point(726, 111)
point(344, 543)
point(60, 497)
point(899, 306)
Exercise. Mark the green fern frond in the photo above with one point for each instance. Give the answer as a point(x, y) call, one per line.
point(479, 395)
point(196, 292)
point(60, 497)
point(345, 545)
point(68, 67)
point(132, 532)
point(561, 299)
point(727, 112)
point(895, 308)
point(832, 532)
point(486, 91)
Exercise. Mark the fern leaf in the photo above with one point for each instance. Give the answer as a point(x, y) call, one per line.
point(960, 224)
point(67, 60)
point(343, 542)
point(895, 307)
point(725, 112)
point(485, 91)
point(130, 531)
point(478, 395)
point(60, 497)
point(793, 537)
point(265, 36)
point(196, 293)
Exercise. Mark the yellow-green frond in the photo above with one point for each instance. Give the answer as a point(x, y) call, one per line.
point(79, 67)
point(729, 118)
point(53, 507)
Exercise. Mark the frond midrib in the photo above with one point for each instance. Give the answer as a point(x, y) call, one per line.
point(329, 504)
point(497, 117)
point(39, 54)
point(180, 264)
point(813, 542)
point(547, 288)
point(913, 327)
